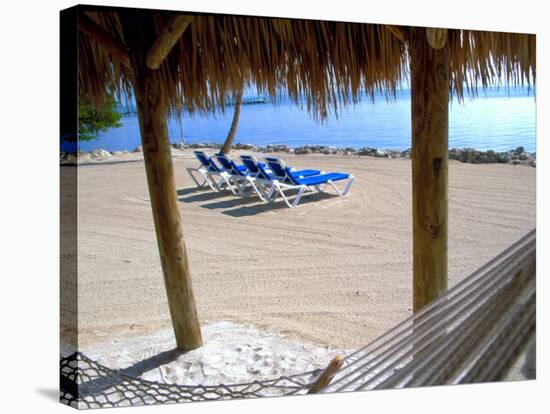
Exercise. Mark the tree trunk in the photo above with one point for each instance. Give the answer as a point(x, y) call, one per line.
point(430, 129)
point(233, 130)
point(152, 110)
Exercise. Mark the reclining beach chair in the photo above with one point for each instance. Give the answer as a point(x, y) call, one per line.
point(284, 178)
point(209, 170)
point(263, 175)
point(240, 176)
point(258, 169)
point(260, 172)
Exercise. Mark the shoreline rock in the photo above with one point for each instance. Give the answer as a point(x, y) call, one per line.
point(465, 155)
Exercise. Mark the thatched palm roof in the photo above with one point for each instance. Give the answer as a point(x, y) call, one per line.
point(325, 63)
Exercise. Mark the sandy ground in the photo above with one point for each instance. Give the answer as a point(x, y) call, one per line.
point(232, 354)
point(334, 271)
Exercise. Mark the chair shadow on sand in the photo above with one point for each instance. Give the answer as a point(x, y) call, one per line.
point(241, 206)
point(244, 211)
point(191, 190)
point(192, 195)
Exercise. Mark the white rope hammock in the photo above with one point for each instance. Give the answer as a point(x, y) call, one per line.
point(474, 333)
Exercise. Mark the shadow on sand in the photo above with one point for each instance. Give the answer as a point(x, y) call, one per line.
point(244, 211)
point(241, 206)
point(191, 190)
point(163, 358)
point(99, 384)
point(203, 196)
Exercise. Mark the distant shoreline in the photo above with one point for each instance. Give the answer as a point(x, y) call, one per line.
point(499, 122)
point(466, 155)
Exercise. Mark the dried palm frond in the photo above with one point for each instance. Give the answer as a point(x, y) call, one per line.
point(325, 64)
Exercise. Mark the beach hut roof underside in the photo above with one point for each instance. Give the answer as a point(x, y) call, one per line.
point(324, 64)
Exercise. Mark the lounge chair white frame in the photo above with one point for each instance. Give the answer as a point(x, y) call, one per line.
point(279, 186)
point(208, 175)
point(261, 177)
point(241, 179)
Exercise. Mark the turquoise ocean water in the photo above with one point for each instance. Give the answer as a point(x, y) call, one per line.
point(497, 119)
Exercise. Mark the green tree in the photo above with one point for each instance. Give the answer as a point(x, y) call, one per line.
point(93, 120)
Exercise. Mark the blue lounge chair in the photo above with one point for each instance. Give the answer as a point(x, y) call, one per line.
point(241, 176)
point(209, 170)
point(257, 169)
point(284, 178)
point(267, 173)
point(264, 176)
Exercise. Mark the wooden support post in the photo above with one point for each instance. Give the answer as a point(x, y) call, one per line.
point(162, 191)
point(152, 112)
point(430, 129)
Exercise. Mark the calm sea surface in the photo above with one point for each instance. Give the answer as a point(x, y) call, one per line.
point(497, 119)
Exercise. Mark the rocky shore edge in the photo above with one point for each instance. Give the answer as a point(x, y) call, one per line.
point(465, 155)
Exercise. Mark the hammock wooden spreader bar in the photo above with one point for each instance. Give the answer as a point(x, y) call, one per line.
point(473, 333)
point(326, 376)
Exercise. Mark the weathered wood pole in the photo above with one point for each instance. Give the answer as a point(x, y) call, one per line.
point(226, 147)
point(430, 132)
point(152, 110)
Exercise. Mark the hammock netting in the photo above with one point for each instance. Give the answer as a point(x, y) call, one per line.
point(85, 383)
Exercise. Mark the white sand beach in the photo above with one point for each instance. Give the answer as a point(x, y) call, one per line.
point(334, 271)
